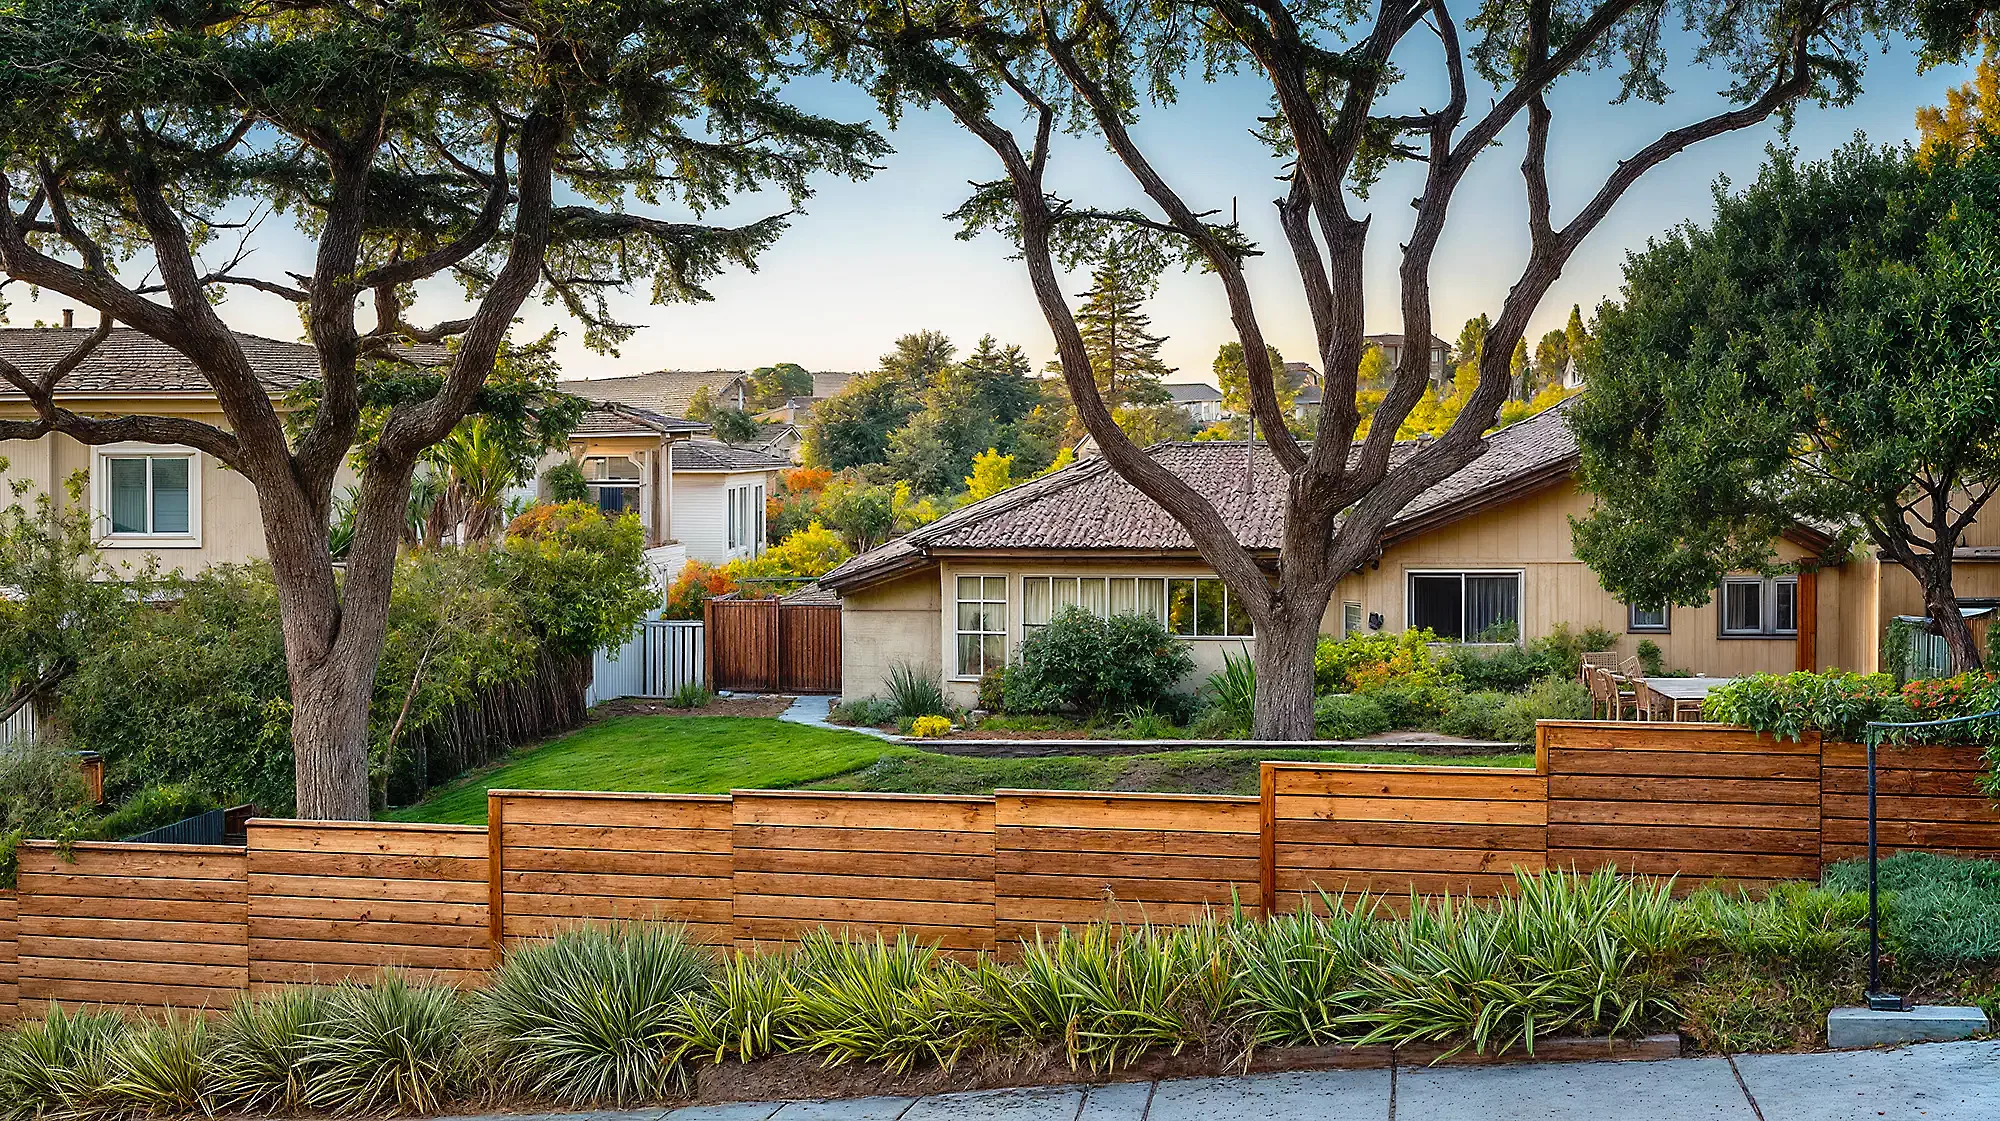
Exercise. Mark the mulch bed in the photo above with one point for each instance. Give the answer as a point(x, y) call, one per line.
point(760, 705)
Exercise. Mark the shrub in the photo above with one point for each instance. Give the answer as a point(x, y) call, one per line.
point(742, 1013)
point(1232, 694)
point(1789, 705)
point(698, 582)
point(1556, 654)
point(565, 482)
point(895, 1003)
point(863, 712)
point(162, 1067)
point(41, 795)
point(1080, 662)
point(594, 1015)
point(1363, 662)
point(1735, 1006)
point(262, 1047)
point(691, 694)
point(915, 692)
point(1297, 972)
point(930, 727)
point(60, 1064)
point(1652, 660)
point(1795, 924)
point(993, 689)
point(1143, 722)
point(388, 1047)
point(1349, 716)
point(1473, 716)
point(1940, 910)
point(1551, 698)
point(1411, 706)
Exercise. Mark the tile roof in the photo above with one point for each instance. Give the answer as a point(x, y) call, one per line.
point(131, 361)
point(714, 455)
point(1089, 506)
point(826, 383)
point(602, 419)
point(663, 391)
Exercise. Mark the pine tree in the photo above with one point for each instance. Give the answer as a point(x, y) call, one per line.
point(1117, 332)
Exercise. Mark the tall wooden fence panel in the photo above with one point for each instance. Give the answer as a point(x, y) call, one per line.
point(1064, 859)
point(330, 901)
point(145, 926)
point(866, 863)
point(10, 958)
point(1926, 798)
point(1693, 800)
point(1397, 830)
point(565, 859)
point(773, 646)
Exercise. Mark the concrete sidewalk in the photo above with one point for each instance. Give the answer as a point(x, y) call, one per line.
point(1934, 1082)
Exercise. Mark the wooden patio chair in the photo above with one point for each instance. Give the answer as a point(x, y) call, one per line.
point(1608, 689)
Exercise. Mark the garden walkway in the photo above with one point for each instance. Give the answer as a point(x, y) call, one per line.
point(1934, 1082)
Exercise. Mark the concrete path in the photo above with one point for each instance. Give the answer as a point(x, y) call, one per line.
point(812, 711)
point(1932, 1082)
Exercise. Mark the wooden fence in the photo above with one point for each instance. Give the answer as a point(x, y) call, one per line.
point(193, 926)
point(771, 646)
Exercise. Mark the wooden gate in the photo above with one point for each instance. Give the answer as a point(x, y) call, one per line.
point(769, 646)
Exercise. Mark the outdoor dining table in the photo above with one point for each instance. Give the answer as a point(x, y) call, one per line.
point(1674, 690)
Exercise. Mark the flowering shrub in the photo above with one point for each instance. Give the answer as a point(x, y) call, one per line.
point(1361, 662)
point(928, 727)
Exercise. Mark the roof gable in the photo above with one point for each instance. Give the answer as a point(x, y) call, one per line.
point(666, 392)
point(131, 361)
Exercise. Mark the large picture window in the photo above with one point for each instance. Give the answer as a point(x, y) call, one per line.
point(147, 494)
point(1466, 606)
point(982, 624)
point(1191, 606)
point(1759, 606)
point(614, 482)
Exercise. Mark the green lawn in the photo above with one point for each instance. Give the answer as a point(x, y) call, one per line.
point(714, 754)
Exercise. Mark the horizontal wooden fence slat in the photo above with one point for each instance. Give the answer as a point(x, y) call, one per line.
point(10, 958)
point(343, 901)
point(1927, 798)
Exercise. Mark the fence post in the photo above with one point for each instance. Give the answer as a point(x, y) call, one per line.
point(708, 645)
point(1267, 839)
point(777, 671)
point(496, 917)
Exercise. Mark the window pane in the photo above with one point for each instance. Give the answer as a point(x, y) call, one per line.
point(1350, 618)
point(1153, 598)
point(996, 589)
point(128, 495)
point(972, 617)
point(1239, 619)
point(1091, 595)
point(1786, 614)
point(1034, 600)
point(1208, 596)
point(1645, 620)
point(993, 651)
point(170, 495)
point(1742, 607)
point(968, 656)
point(1124, 595)
point(611, 467)
point(1062, 592)
point(1180, 605)
point(968, 587)
point(1436, 604)
point(1493, 608)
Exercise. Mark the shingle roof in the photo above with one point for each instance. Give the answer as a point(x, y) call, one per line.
point(130, 361)
point(1088, 506)
point(663, 391)
point(1190, 392)
point(714, 455)
point(602, 419)
point(826, 383)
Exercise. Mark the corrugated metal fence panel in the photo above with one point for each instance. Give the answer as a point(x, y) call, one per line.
point(201, 829)
point(662, 657)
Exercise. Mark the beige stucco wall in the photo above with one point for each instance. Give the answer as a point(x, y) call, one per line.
point(895, 621)
point(229, 527)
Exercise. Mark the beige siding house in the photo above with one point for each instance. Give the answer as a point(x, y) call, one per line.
point(161, 501)
point(1484, 554)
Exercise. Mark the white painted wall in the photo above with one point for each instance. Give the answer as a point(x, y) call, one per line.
point(701, 511)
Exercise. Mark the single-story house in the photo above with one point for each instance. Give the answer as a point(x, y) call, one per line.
point(666, 392)
point(720, 489)
point(1486, 552)
point(164, 501)
point(1201, 401)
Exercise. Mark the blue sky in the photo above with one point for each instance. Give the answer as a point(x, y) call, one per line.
point(869, 261)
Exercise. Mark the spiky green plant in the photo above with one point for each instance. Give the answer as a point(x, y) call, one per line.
point(742, 1012)
point(595, 1015)
point(897, 1003)
point(1106, 994)
point(1793, 923)
point(162, 1067)
point(261, 1047)
point(1296, 971)
point(388, 1047)
point(58, 1065)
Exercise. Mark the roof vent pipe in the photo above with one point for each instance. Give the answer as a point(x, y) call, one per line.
point(69, 317)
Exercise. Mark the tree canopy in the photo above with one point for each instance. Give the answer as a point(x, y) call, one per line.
point(1826, 351)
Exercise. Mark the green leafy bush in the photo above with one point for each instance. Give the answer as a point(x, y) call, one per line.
point(1349, 716)
point(594, 1016)
point(1364, 662)
point(1556, 654)
point(1789, 705)
point(993, 689)
point(868, 1000)
point(1473, 716)
point(1940, 910)
point(161, 1067)
point(691, 694)
point(863, 712)
point(61, 1064)
point(262, 1049)
point(1412, 706)
point(41, 795)
point(1081, 662)
point(1551, 698)
point(389, 1047)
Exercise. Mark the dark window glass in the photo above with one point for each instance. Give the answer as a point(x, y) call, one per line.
point(1437, 604)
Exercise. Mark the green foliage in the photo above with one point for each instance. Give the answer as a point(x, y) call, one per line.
point(899, 1003)
point(1362, 662)
point(1412, 706)
point(1117, 332)
point(771, 386)
point(1296, 973)
point(41, 795)
point(1551, 698)
point(161, 1067)
point(1940, 910)
point(916, 692)
point(1737, 1006)
point(262, 1047)
point(863, 712)
point(1558, 653)
point(1789, 705)
point(740, 1015)
point(691, 694)
point(59, 1065)
point(1473, 715)
point(389, 1047)
point(732, 426)
point(579, 576)
point(64, 598)
point(993, 690)
point(594, 1016)
point(1081, 662)
point(1349, 716)
point(564, 482)
point(1232, 694)
point(1796, 924)
point(1652, 660)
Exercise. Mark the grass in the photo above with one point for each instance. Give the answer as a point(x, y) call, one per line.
point(715, 754)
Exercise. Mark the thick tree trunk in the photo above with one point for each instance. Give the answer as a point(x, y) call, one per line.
point(1941, 604)
point(330, 738)
point(1284, 661)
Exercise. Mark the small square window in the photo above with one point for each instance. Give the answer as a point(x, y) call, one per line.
point(1647, 619)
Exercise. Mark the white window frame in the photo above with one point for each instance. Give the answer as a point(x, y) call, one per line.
point(636, 483)
point(1164, 615)
point(958, 633)
point(743, 506)
point(1665, 625)
point(1520, 576)
point(1767, 606)
point(100, 495)
point(1353, 618)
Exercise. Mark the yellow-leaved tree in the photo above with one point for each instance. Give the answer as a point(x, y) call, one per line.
point(991, 474)
point(1968, 113)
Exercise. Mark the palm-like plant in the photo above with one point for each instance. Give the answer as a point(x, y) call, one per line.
point(478, 467)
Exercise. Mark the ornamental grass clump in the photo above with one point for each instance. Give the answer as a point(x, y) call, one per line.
point(389, 1048)
point(59, 1065)
point(741, 1014)
point(259, 1063)
point(900, 1003)
point(1295, 972)
point(594, 1015)
point(162, 1067)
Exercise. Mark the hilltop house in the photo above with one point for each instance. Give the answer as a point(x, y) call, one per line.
point(1484, 553)
point(664, 392)
point(1440, 350)
point(1201, 401)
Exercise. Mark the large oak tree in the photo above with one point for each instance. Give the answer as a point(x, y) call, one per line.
point(1015, 72)
point(154, 152)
